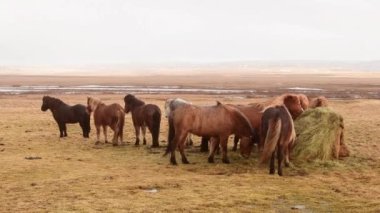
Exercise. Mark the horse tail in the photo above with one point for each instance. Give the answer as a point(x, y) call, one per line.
point(156, 118)
point(86, 122)
point(273, 134)
point(171, 134)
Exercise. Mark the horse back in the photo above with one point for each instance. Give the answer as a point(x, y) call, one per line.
point(107, 114)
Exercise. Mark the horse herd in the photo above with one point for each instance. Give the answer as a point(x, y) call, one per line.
point(268, 125)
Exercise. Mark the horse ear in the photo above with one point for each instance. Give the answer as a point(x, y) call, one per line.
point(218, 103)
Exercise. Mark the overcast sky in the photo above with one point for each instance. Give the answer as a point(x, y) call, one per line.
point(72, 32)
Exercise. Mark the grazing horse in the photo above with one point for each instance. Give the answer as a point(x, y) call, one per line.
point(291, 101)
point(107, 115)
point(144, 115)
point(277, 130)
point(253, 112)
point(304, 101)
point(219, 122)
point(64, 113)
point(319, 101)
point(172, 104)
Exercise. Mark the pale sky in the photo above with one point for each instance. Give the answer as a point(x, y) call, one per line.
point(82, 32)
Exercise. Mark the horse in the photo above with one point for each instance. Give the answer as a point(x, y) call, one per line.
point(277, 130)
point(172, 104)
point(319, 101)
point(64, 113)
point(304, 100)
point(107, 115)
point(217, 121)
point(253, 112)
point(143, 115)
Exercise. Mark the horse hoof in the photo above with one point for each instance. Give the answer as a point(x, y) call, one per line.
point(173, 162)
point(271, 172)
point(210, 160)
point(105, 141)
point(97, 142)
point(155, 146)
point(185, 161)
point(115, 144)
point(226, 161)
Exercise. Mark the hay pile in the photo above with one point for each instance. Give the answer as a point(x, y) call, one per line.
point(319, 135)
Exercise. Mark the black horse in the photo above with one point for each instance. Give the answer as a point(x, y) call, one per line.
point(64, 113)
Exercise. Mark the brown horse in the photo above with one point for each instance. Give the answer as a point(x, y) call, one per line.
point(107, 115)
point(319, 101)
point(277, 130)
point(291, 101)
point(217, 121)
point(144, 115)
point(64, 114)
point(253, 112)
point(304, 101)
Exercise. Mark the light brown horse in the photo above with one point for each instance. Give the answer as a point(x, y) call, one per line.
point(144, 115)
point(217, 121)
point(277, 130)
point(107, 115)
point(304, 101)
point(319, 101)
point(253, 112)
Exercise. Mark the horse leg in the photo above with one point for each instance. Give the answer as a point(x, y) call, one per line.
point(236, 141)
point(81, 124)
point(280, 158)
point(223, 142)
point(137, 133)
point(181, 147)
point(271, 165)
point(121, 136)
point(287, 153)
point(214, 144)
point(97, 134)
point(64, 130)
point(204, 144)
point(105, 133)
point(60, 126)
point(143, 130)
point(174, 142)
point(115, 135)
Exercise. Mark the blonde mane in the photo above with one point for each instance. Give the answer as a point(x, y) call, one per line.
point(93, 103)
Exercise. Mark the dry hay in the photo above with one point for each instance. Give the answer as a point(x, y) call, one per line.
point(319, 135)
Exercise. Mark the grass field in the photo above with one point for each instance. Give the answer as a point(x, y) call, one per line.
point(75, 175)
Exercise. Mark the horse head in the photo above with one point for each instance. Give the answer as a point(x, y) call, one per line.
point(45, 103)
point(293, 103)
point(131, 102)
point(168, 102)
point(304, 101)
point(92, 104)
point(320, 101)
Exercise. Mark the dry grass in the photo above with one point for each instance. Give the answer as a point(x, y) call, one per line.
point(76, 175)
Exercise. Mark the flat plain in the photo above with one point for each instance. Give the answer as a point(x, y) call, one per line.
point(75, 175)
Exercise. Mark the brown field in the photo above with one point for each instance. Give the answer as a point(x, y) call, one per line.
point(75, 175)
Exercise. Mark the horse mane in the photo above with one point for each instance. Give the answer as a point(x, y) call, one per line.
point(133, 101)
point(53, 102)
